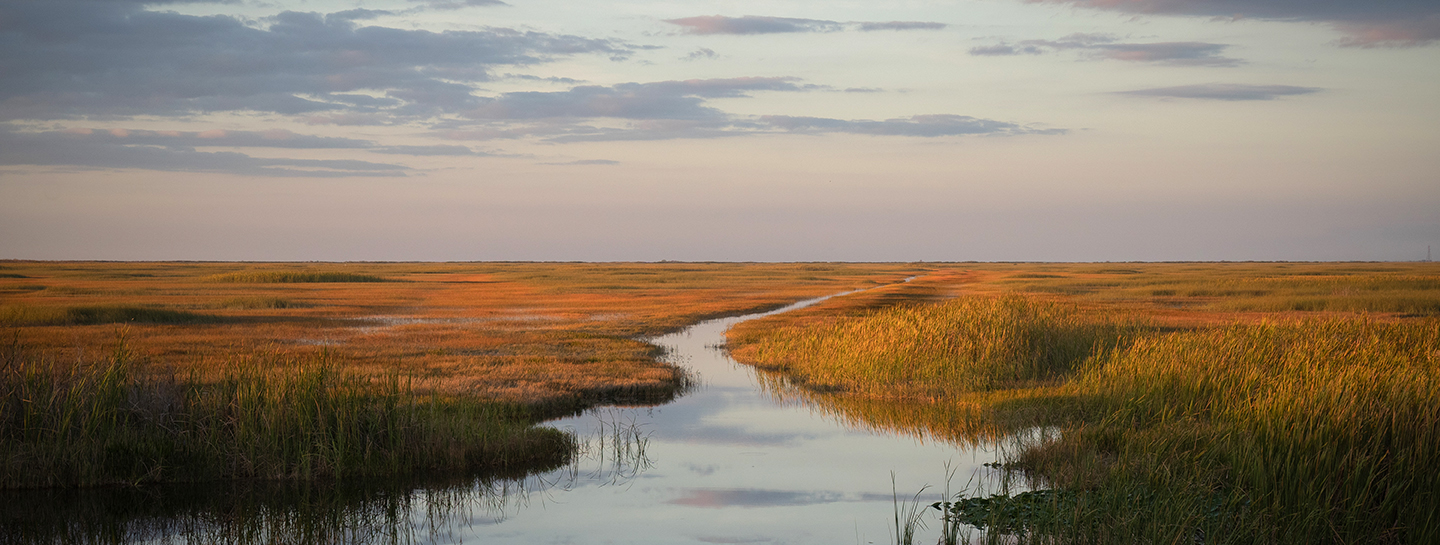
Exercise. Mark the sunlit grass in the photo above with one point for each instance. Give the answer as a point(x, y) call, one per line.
point(1288, 423)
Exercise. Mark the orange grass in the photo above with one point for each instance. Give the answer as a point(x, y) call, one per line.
point(543, 334)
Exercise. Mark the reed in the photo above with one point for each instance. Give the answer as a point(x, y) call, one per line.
point(936, 350)
point(1287, 429)
point(114, 421)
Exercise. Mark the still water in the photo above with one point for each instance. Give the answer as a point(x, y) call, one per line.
point(729, 462)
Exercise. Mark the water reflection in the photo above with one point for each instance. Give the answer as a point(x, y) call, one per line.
point(401, 511)
point(394, 512)
point(740, 459)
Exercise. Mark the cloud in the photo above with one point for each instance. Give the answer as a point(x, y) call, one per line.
point(1225, 91)
point(672, 100)
point(458, 4)
point(702, 53)
point(105, 150)
point(585, 162)
point(114, 59)
point(277, 138)
point(1368, 23)
point(901, 25)
point(432, 150)
point(755, 24)
point(933, 125)
point(1103, 46)
point(667, 110)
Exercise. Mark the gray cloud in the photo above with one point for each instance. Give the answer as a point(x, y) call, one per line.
point(278, 138)
point(901, 25)
point(920, 125)
point(1367, 23)
point(89, 151)
point(1225, 91)
point(755, 24)
point(678, 109)
point(701, 53)
point(1103, 46)
point(458, 4)
point(586, 162)
point(76, 58)
point(671, 100)
point(432, 150)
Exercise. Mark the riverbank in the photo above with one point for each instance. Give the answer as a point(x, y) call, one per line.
point(1218, 420)
point(336, 370)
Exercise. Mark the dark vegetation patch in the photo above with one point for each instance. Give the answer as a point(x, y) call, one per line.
point(293, 277)
point(31, 315)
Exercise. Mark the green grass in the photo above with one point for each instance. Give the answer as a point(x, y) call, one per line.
point(18, 315)
point(292, 277)
point(116, 422)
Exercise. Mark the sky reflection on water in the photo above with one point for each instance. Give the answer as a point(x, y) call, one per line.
point(727, 463)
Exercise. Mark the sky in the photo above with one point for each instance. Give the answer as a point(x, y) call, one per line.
point(778, 130)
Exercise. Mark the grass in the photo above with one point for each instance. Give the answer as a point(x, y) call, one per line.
point(28, 315)
point(293, 277)
point(935, 350)
point(113, 421)
point(553, 336)
point(1174, 425)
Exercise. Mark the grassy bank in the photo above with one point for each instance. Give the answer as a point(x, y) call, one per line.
point(549, 335)
point(1262, 428)
point(115, 421)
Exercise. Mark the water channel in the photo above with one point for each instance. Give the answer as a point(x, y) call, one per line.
point(728, 462)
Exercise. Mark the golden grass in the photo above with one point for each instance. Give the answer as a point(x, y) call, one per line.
point(553, 334)
point(1303, 424)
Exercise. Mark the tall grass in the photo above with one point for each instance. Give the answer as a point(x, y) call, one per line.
point(115, 422)
point(934, 350)
point(1328, 430)
point(1294, 431)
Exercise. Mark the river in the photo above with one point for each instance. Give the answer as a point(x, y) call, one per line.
point(729, 462)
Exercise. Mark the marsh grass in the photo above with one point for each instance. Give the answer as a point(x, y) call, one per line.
point(293, 277)
point(1291, 428)
point(114, 421)
point(971, 344)
point(35, 315)
point(259, 302)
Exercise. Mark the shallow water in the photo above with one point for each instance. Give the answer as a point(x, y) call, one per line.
point(726, 463)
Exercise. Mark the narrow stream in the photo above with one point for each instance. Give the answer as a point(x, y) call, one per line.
point(729, 464)
point(726, 463)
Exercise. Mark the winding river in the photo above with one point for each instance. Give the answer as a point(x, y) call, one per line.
point(728, 463)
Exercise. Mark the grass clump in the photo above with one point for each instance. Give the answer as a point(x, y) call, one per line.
point(115, 422)
point(1328, 430)
point(259, 302)
point(293, 277)
point(21, 315)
